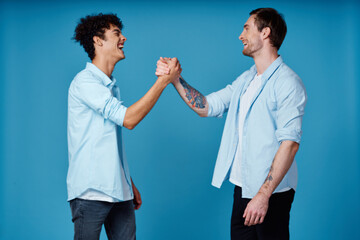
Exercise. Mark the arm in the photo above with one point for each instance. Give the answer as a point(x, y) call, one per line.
point(291, 99)
point(257, 208)
point(192, 97)
point(136, 112)
point(98, 97)
point(137, 197)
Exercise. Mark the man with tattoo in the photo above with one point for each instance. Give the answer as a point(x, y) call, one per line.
point(262, 131)
point(100, 189)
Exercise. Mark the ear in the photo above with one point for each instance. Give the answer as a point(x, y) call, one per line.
point(265, 33)
point(97, 41)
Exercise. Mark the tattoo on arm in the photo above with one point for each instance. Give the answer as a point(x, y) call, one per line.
point(269, 177)
point(196, 99)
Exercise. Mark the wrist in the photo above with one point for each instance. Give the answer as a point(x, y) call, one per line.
point(265, 194)
point(176, 81)
point(164, 80)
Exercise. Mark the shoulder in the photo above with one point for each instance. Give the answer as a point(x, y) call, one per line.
point(85, 76)
point(287, 78)
point(287, 83)
point(81, 81)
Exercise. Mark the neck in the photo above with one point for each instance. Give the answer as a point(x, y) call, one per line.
point(264, 59)
point(105, 65)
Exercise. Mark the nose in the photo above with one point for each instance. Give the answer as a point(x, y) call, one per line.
point(241, 37)
point(123, 38)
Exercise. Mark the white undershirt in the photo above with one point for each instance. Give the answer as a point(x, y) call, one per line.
point(95, 195)
point(245, 102)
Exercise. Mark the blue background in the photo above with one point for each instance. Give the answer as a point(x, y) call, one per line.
point(172, 152)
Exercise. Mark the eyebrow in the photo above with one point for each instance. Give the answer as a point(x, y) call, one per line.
point(116, 30)
point(246, 25)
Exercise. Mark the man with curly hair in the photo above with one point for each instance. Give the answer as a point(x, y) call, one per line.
point(262, 132)
point(100, 189)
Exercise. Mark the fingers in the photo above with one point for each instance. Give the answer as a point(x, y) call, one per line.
point(167, 59)
point(253, 218)
point(160, 62)
point(250, 219)
point(246, 216)
point(162, 67)
point(137, 204)
point(168, 66)
point(162, 70)
point(137, 200)
point(174, 60)
point(261, 219)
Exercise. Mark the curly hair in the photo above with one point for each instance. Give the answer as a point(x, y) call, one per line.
point(269, 17)
point(94, 25)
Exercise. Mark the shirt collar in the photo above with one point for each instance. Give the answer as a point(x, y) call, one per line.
point(108, 82)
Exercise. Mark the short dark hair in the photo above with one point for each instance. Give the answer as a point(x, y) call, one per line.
point(94, 25)
point(269, 17)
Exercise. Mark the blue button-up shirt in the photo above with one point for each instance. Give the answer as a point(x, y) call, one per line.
point(275, 115)
point(96, 152)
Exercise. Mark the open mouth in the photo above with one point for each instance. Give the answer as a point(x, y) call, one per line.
point(120, 46)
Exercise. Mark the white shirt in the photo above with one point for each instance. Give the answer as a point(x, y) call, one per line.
point(245, 102)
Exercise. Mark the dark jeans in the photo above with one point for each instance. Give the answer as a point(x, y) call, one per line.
point(89, 216)
point(276, 222)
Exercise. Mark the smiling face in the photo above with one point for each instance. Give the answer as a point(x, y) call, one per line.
point(113, 43)
point(251, 38)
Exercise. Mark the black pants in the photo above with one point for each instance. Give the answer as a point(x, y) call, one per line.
point(276, 222)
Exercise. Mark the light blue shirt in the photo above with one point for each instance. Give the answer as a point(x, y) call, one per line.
point(96, 153)
point(275, 115)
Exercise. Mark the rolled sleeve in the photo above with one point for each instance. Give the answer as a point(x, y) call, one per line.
point(215, 109)
point(219, 101)
point(99, 98)
point(291, 101)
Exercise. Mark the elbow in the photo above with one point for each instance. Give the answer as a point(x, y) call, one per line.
point(203, 115)
point(203, 112)
point(129, 125)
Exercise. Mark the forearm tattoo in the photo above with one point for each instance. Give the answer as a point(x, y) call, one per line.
point(195, 98)
point(269, 177)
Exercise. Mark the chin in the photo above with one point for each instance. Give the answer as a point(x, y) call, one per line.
point(121, 58)
point(246, 53)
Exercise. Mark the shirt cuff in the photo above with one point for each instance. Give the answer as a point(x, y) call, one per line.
point(211, 102)
point(288, 134)
point(122, 111)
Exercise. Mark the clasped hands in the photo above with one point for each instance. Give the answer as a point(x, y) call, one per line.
point(169, 69)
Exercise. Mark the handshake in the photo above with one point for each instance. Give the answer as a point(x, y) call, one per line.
point(168, 69)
